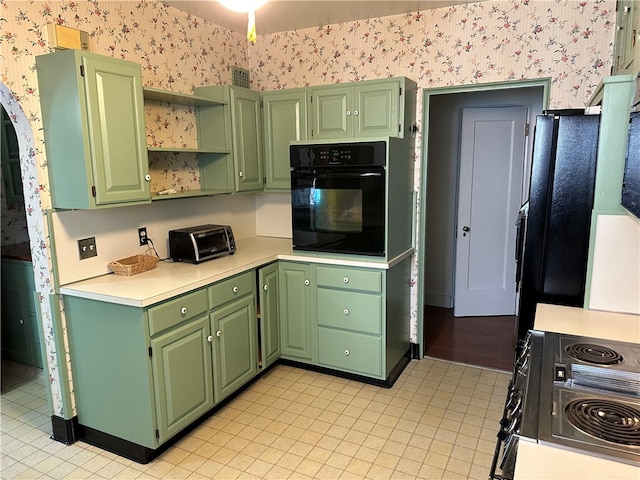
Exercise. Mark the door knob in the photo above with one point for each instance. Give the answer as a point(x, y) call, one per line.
point(218, 333)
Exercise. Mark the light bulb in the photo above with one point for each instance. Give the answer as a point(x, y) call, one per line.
point(242, 6)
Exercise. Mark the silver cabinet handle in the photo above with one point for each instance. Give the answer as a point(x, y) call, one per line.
point(346, 311)
point(348, 113)
point(306, 282)
point(265, 288)
point(147, 177)
point(183, 310)
point(345, 279)
point(210, 339)
point(241, 174)
point(347, 352)
point(234, 289)
point(218, 333)
point(355, 112)
point(21, 322)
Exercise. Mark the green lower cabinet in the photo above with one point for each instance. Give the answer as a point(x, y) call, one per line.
point(349, 351)
point(182, 372)
point(268, 287)
point(350, 317)
point(20, 334)
point(296, 312)
point(111, 365)
point(234, 345)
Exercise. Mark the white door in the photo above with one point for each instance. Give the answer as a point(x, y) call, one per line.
point(492, 156)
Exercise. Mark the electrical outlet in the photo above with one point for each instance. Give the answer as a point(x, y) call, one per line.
point(142, 235)
point(87, 248)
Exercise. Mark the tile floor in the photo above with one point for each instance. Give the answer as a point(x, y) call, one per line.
point(438, 421)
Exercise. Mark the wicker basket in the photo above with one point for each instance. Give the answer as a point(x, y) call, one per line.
point(134, 265)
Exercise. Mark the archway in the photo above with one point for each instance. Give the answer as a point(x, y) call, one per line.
point(36, 226)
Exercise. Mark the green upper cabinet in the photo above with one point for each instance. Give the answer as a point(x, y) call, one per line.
point(243, 130)
point(626, 53)
point(246, 124)
point(373, 108)
point(284, 116)
point(93, 119)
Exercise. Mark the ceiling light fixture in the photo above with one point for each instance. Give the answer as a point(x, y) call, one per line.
point(246, 6)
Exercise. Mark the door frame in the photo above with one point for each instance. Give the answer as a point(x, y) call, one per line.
point(427, 93)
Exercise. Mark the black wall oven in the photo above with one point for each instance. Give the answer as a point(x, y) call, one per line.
point(338, 197)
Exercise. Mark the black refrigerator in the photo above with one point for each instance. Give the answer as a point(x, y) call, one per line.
point(554, 226)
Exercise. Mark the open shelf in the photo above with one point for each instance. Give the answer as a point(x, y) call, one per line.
point(185, 150)
point(187, 194)
point(164, 96)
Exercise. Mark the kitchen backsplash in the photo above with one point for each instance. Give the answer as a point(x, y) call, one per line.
point(116, 229)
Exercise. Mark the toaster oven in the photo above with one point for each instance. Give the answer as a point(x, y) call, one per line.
point(200, 243)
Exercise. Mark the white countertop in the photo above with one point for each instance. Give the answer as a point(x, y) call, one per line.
point(169, 279)
point(535, 461)
point(622, 327)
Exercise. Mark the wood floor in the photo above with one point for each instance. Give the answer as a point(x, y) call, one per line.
point(482, 341)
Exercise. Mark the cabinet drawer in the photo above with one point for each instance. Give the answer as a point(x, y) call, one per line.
point(234, 287)
point(350, 351)
point(350, 310)
point(177, 310)
point(351, 279)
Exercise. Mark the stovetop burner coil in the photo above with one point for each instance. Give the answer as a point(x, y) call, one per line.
point(595, 354)
point(605, 419)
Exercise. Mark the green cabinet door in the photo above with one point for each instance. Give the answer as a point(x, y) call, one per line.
point(20, 333)
point(269, 314)
point(296, 312)
point(371, 108)
point(234, 345)
point(627, 36)
point(376, 109)
point(246, 123)
point(284, 121)
point(331, 112)
point(93, 122)
point(183, 376)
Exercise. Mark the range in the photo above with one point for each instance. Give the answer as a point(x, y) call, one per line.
point(572, 392)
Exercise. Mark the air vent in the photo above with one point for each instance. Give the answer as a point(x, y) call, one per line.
point(240, 77)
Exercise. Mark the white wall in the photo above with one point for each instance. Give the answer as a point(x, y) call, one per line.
point(273, 215)
point(116, 229)
point(615, 283)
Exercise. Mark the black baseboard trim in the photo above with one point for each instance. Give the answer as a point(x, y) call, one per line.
point(142, 454)
point(386, 383)
point(415, 351)
point(64, 430)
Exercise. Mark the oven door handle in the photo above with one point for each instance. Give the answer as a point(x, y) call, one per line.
point(336, 176)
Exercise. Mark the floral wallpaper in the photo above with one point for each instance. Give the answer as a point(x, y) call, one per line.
point(568, 41)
